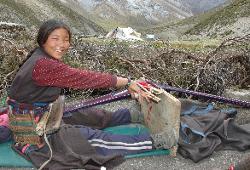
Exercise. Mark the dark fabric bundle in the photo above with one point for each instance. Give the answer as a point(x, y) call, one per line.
point(205, 129)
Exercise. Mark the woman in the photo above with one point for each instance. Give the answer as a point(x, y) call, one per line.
point(39, 82)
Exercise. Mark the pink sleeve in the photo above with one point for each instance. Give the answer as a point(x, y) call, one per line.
point(4, 120)
point(50, 72)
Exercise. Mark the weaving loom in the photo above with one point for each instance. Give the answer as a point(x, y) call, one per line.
point(12, 159)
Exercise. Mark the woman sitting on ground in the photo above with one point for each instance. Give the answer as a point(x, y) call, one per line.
point(78, 143)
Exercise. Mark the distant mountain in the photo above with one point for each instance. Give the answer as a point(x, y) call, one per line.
point(228, 20)
point(99, 16)
point(136, 13)
point(91, 16)
point(199, 6)
point(141, 13)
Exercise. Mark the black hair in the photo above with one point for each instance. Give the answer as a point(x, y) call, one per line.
point(44, 31)
point(48, 27)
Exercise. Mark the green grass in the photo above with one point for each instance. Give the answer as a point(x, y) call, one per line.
point(190, 45)
point(114, 42)
point(195, 46)
point(109, 25)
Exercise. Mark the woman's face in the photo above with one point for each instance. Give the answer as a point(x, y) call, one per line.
point(57, 43)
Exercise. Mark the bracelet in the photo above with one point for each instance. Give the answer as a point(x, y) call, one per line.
point(129, 82)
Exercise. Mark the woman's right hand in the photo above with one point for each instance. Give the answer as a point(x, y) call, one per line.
point(136, 92)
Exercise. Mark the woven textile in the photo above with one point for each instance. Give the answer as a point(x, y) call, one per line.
point(23, 127)
point(23, 120)
point(29, 122)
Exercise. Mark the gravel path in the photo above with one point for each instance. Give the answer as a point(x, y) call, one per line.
point(218, 161)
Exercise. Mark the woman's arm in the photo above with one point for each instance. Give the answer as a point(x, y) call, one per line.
point(122, 82)
point(50, 72)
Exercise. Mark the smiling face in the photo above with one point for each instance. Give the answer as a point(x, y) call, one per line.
point(57, 43)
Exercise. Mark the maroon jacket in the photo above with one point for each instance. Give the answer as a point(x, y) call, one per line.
point(41, 78)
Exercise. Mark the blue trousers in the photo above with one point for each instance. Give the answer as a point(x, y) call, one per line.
point(91, 121)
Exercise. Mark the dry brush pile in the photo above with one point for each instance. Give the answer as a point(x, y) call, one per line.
point(225, 66)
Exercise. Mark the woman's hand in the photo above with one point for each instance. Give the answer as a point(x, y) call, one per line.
point(134, 89)
point(136, 92)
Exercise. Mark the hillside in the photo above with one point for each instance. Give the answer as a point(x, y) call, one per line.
point(232, 20)
point(222, 22)
point(32, 13)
